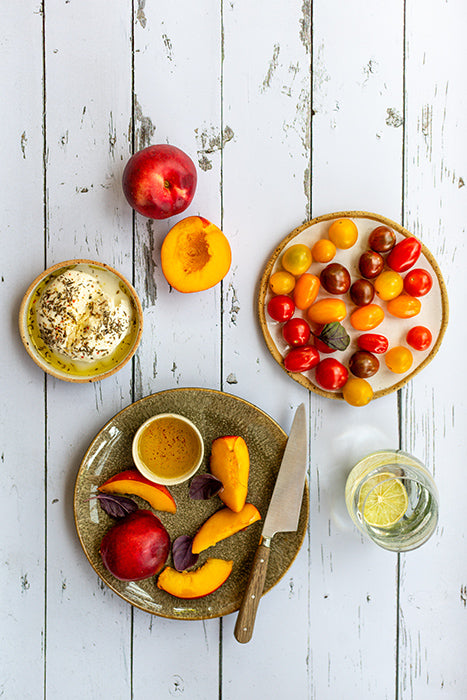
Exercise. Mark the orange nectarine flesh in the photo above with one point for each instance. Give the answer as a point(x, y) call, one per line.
point(131, 482)
point(230, 463)
point(222, 524)
point(195, 255)
point(195, 584)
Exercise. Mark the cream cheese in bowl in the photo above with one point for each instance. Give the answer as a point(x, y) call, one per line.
point(81, 320)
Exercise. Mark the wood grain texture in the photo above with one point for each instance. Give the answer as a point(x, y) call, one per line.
point(289, 111)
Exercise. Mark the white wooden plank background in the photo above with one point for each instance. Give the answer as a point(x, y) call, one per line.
point(289, 111)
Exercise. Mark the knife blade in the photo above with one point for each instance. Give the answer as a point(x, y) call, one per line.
point(282, 516)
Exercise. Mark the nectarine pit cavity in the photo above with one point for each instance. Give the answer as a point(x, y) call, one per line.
point(194, 252)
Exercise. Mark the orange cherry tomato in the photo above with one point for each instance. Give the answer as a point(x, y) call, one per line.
point(306, 290)
point(323, 250)
point(281, 282)
point(404, 306)
point(399, 359)
point(343, 233)
point(388, 285)
point(297, 259)
point(365, 318)
point(357, 392)
point(327, 311)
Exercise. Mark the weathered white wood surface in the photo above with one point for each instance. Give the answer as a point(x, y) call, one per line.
point(289, 111)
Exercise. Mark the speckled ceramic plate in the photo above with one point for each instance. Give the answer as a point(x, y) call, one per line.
point(434, 312)
point(215, 414)
point(58, 366)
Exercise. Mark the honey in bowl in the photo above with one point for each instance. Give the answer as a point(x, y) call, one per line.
point(168, 449)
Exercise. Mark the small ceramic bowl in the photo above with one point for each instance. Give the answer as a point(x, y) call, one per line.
point(168, 449)
point(75, 370)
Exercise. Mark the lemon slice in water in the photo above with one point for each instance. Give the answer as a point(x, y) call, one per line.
point(385, 500)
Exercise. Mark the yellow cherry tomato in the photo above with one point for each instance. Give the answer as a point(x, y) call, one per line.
point(327, 311)
point(323, 251)
point(343, 233)
point(306, 290)
point(365, 318)
point(281, 282)
point(297, 259)
point(404, 306)
point(388, 285)
point(399, 359)
point(357, 392)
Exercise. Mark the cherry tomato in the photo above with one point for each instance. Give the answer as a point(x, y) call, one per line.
point(370, 264)
point(362, 292)
point(335, 278)
point(331, 374)
point(296, 332)
point(322, 347)
point(373, 342)
point(404, 254)
point(297, 259)
point(357, 392)
point(418, 282)
point(382, 239)
point(281, 308)
point(281, 282)
point(399, 359)
point(306, 290)
point(301, 359)
point(326, 311)
point(343, 233)
point(363, 364)
point(388, 285)
point(365, 318)
point(323, 250)
point(404, 306)
point(419, 338)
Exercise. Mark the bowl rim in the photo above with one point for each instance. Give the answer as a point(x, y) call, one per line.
point(26, 339)
point(263, 289)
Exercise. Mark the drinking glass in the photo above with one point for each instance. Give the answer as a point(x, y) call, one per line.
point(393, 500)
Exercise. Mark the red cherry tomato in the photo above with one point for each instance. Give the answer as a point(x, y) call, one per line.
point(404, 254)
point(419, 338)
point(296, 332)
point(373, 342)
point(331, 374)
point(301, 359)
point(322, 347)
point(281, 308)
point(418, 282)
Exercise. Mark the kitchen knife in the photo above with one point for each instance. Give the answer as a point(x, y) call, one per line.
point(282, 516)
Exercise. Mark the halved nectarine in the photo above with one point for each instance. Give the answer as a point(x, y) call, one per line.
point(195, 584)
point(132, 482)
point(230, 463)
point(195, 255)
point(222, 524)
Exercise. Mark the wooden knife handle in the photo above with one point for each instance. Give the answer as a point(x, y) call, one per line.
point(254, 589)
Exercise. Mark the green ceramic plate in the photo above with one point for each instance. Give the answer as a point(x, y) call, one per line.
point(216, 414)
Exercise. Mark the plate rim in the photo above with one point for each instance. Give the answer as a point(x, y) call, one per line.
point(27, 342)
point(305, 501)
point(263, 288)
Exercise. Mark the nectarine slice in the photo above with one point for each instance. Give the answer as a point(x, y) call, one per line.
point(132, 482)
point(230, 463)
point(222, 524)
point(195, 584)
point(195, 255)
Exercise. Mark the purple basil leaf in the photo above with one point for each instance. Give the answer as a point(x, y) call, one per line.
point(116, 506)
point(335, 336)
point(181, 552)
point(204, 486)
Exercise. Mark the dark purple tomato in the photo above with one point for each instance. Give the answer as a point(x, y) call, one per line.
point(281, 308)
point(335, 278)
point(382, 239)
point(363, 364)
point(370, 264)
point(296, 332)
point(362, 292)
point(301, 359)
